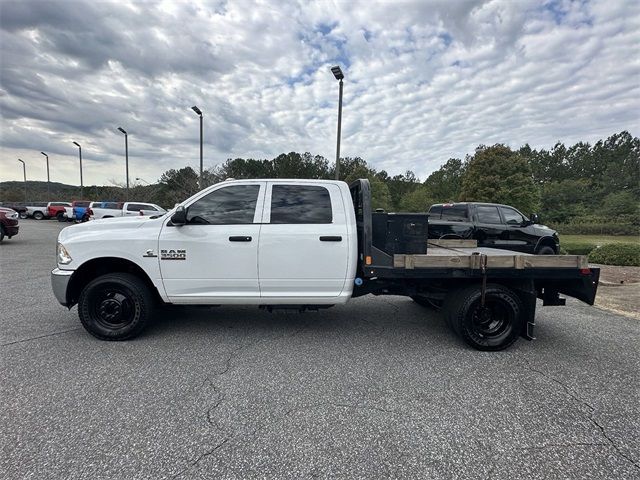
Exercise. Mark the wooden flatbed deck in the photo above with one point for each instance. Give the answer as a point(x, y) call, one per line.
point(460, 254)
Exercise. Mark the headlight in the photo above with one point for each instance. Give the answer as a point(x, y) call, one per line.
point(63, 256)
point(13, 216)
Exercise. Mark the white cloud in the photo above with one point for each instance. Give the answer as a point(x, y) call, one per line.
point(425, 81)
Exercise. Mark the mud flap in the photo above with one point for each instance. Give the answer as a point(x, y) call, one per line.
point(528, 296)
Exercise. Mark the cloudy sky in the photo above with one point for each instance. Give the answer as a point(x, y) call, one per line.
point(425, 80)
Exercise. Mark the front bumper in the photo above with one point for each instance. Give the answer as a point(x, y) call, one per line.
point(11, 230)
point(59, 282)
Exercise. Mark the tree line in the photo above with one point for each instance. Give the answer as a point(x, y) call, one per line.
point(582, 183)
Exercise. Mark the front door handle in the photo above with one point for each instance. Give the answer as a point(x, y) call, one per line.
point(240, 238)
point(331, 239)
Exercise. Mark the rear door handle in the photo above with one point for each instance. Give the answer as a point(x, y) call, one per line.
point(331, 239)
point(240, 238)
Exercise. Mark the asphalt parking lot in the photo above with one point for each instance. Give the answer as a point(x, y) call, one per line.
point(376, 389)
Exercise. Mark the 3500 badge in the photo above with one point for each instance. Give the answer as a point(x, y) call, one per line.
point(173, 254)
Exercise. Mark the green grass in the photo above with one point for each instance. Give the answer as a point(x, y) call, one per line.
point(598, 239)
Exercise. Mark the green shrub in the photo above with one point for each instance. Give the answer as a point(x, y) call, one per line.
point(597, 229)
point(617, 254)
point(577, 248)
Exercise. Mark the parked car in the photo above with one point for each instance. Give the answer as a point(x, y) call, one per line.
point(37, 210)
point(303, 244)
point(98, 210)
point(78, 211)
point(57, 210)
point(18, 207)
point(42, 210)
point(492, 225)
point(8, 223)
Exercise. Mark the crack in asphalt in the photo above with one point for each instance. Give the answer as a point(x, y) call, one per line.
point(41, 336)
point(574, 395)
point(209, 413)
point(204, 455)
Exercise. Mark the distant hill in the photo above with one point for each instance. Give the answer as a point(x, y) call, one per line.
point(37, 192)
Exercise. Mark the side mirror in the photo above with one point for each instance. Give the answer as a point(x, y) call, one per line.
point(534, 218)
point(179, 217)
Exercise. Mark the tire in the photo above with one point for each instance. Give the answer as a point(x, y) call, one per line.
point(61, 217)
point(23, 215)
point(495, 326)
point(38, 215)
point(546, 250)
point(1, 233)
point(85, 218)
point(116, 306)
point(427, 302)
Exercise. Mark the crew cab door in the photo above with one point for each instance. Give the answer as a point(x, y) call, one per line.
point(521, 238)
point(490, 231)
point(215, 255)
point(304, 242)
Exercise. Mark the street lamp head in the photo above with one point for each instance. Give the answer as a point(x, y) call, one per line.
point(22, 161)
point(44, 154)
point(76, 144)
point(197, 110)
point(122, 130)
point(337, 72)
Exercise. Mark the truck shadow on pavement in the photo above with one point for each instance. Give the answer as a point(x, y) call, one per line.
point(409, 321)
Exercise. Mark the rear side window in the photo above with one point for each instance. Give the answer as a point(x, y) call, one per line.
point(300, 204)
point(135, 207)
point(488, 214)
point(231, 205)
point(454, 213)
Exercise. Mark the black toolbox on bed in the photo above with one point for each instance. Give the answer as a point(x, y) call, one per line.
point(396, 233)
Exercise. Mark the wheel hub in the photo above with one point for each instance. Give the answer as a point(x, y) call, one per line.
point(110, 310)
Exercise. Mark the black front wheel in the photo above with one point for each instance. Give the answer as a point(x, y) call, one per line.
point(546, 250)
point(116, 306)
point(496, 325)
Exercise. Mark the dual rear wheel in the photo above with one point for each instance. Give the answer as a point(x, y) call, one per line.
point(496, 325)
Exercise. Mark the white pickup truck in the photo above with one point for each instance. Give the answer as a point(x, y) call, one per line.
point(98, 210)
point(302, 244)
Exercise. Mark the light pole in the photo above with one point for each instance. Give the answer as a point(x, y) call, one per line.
point(48, 179)
point(199, 112)
point(81, 183)
point(24, 173)
point(337, 72)
point(126, 155)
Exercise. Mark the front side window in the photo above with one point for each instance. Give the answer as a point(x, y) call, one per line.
point(300, 204)
point(511, 216)
point(488, 214)
point(231, 205)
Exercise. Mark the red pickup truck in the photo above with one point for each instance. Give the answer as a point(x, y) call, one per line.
point(56, 209)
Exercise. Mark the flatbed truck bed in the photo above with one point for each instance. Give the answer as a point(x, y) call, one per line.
point(480, 290)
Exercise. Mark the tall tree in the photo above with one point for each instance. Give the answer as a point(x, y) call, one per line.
point(445, 183)
point(497, 174)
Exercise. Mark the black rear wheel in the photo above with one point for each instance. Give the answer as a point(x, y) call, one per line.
point(116, 306)
point(495, 325)
point(61, 217)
